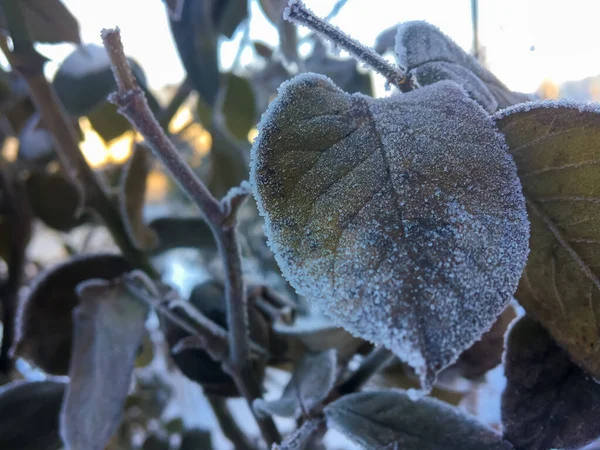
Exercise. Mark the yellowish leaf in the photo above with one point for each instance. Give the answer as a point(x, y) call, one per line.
point(556, 146)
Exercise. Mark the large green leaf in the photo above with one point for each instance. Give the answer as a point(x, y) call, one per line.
point(401, 218)
point(556, 146)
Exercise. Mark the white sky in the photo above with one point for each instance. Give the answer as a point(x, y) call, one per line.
point(564, 35)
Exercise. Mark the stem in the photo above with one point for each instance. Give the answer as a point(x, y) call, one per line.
point(228, 425)
point(133, 105)
point(94, 193)
point(475, 21)
point(372, 364)
point(310, 430)
point(299, 13)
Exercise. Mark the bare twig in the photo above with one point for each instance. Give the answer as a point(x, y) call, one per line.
point(301, 438)
point(475, 22)
point(228, 425)
point(372, 364)
point(299, 13)
point(132, 104)
point(93, 190)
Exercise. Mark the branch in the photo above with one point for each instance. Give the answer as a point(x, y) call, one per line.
point(299, 13)
point(133, 105)
point(372, 364)
point(93, 191)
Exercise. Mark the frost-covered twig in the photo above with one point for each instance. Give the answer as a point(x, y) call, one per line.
point(93, 190)
point(228, 425)
point(299, 13)
point(372, 364)
point(133, 105)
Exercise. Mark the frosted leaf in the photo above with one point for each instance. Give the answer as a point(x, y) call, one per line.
point(389, 420)
point(401, 219)
point(428, 55)
point(556, 147)
point(313, 379)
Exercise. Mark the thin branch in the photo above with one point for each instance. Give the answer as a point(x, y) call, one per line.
point(372, 364)
point(228, 425)
point(299, 13)
point(475, 23)
point(300, 439)
point(133, 105)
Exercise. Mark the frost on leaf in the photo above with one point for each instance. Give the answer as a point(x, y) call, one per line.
point(556, 147)
point(548, 402)
point(389, 420)
point(402, 219)
point(428, 55)
point(313, 379)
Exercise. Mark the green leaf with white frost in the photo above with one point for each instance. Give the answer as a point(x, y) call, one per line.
point(313, 379)
point(402, 219)
point(428, 55)
point(556, 146)
point(390, 420)
point(109, 325)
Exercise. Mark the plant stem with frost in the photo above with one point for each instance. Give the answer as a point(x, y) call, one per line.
point(220, 216)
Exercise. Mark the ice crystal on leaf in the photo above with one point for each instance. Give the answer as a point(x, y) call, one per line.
point(428, 55)
point(401, 219)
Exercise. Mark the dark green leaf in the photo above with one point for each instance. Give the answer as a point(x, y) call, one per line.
point(182, 232)
point(48, 21)
point(228, 162)
point(228, 14)
point(196, 440)
point(263, 49)
point(428, 55)
point(85, 79)
point(239, 106)
point(174, 426)
point(132, 195)
point(54, 199)
point(109, 325)
point(389, 420)
point(44, 332)
point(556, 146)
point(400, 218)
point(548, 401)
point(29, 415)
point(107, 122)
point(195, 35)
point(156, 443)
point(313, 379)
